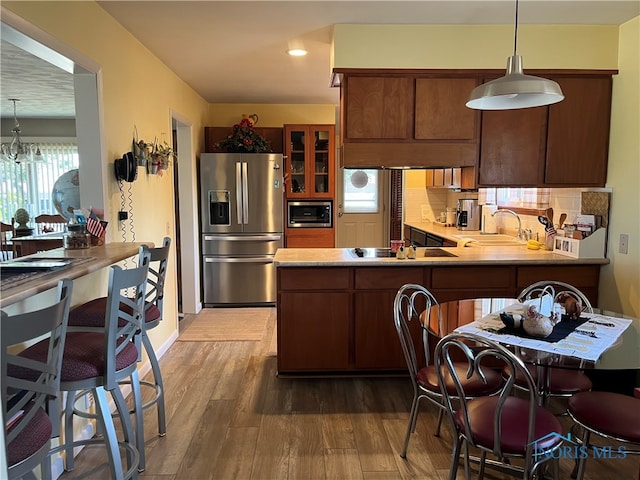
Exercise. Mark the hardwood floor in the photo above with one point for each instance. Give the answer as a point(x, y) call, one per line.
point(230, 417)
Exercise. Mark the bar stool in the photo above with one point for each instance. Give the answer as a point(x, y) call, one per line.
point(95, 361)
point(28, 385)
point(92, 314)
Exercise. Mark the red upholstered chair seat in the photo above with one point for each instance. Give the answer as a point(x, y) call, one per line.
point(562, 381)
point(608, 413)
point(35, 435)
point(428, 379)
point(92, 313)
point(515, 418)
point(83, 357)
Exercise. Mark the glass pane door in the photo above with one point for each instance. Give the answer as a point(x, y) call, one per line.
point(298, 182)
point(321, 165)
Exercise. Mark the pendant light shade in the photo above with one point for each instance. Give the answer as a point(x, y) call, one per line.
point(515, 89)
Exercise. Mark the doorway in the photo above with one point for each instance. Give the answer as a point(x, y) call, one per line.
point(362, 208)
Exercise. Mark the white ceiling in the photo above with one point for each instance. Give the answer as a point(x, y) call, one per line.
point(234, 51)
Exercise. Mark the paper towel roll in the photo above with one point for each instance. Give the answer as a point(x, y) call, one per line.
point(489, 222)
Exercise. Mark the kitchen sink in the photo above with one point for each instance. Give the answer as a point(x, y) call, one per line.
point(494, 239)
point(387, 253)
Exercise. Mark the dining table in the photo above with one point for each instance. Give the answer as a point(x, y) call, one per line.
point(30, 244)
point(604, 341)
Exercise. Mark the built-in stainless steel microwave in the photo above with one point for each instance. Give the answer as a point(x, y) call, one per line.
point(309, 214)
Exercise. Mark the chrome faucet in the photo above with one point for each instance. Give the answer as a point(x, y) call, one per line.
point(520, 235)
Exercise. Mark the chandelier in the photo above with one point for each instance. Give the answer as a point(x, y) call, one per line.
point(18, 151)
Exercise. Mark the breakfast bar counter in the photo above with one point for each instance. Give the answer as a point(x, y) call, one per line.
point(83, 262)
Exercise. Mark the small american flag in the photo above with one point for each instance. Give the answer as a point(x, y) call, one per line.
point(95, 226)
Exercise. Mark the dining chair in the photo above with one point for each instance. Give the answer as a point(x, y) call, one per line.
point(29, 387)
point(96, 361)
point(412, 308)
point(503, 425)
point(613, 416)
point(91, 315)
point(559, 382)
point(7, 231)
point(46, 223)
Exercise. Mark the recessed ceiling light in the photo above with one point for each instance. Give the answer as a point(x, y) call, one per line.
point(297, 52)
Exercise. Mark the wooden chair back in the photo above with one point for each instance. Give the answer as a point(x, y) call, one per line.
point(7, 250)
point(46, 223)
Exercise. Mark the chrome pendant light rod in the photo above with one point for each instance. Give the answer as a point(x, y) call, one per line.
point(515, 89)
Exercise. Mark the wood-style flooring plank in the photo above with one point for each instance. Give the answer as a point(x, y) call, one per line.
point(306, 452)
point(238, 450)
point(343, 463)
point(205, 445)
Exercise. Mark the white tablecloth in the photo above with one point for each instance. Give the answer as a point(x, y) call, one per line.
point(587, 342)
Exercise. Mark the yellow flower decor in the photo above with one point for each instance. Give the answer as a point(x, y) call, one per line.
point(244, 138)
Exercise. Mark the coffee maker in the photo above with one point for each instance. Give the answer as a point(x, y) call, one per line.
point(468, 214)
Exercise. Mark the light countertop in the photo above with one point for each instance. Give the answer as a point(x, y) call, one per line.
point(472, 255)
point(96, 258)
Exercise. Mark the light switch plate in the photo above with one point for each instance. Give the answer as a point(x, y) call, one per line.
point(623, 246)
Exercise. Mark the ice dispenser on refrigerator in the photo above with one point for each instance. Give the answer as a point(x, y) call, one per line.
point(219, 208)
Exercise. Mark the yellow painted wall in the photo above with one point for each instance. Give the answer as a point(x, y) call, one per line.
point(474, 46)
point(620, 281)
point(138, 89)
point(271, 115)
point(414, 179)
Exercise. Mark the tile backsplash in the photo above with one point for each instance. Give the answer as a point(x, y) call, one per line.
point(423, 205)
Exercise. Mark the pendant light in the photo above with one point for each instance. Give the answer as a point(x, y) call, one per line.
point(515, 89)
point(18, 151)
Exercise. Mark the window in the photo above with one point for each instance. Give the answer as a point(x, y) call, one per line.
point(515, 197)
point(360, 191)
point(29, 185)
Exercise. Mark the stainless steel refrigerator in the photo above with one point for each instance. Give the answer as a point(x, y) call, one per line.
point(241, 225)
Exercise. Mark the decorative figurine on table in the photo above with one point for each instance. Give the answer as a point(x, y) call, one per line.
point(537, 324)
point(401, 254)
point(572, 306)
point(411, 251)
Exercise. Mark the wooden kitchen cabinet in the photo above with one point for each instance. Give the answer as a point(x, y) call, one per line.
point(513, 147)
point(376, 344)
point(339, 319)
point(407, 118)
point(310, 164)
point(561, 145)
point(313, 319)
point(578, 135)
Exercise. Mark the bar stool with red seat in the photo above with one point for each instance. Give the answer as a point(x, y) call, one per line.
point(95, 361)
point(27, 385)
point(92, 314)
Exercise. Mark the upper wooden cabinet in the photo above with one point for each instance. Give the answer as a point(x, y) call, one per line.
point(310, 164)
point(578, 135)
point(408, 119)
point(563, 145)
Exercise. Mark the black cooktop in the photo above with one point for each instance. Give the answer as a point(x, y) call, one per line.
point(387, 253)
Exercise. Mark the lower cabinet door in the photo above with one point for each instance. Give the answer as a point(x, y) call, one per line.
point(313, 331)
point(377, 345)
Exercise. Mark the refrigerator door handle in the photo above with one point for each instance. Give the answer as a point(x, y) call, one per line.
point(266, 238)
point(239, 200)
point(245, 193)
point(238, 259)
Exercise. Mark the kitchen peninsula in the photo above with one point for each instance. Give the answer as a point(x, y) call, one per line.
point(335, 309)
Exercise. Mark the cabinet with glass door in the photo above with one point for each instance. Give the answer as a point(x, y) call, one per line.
point(310, 165)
